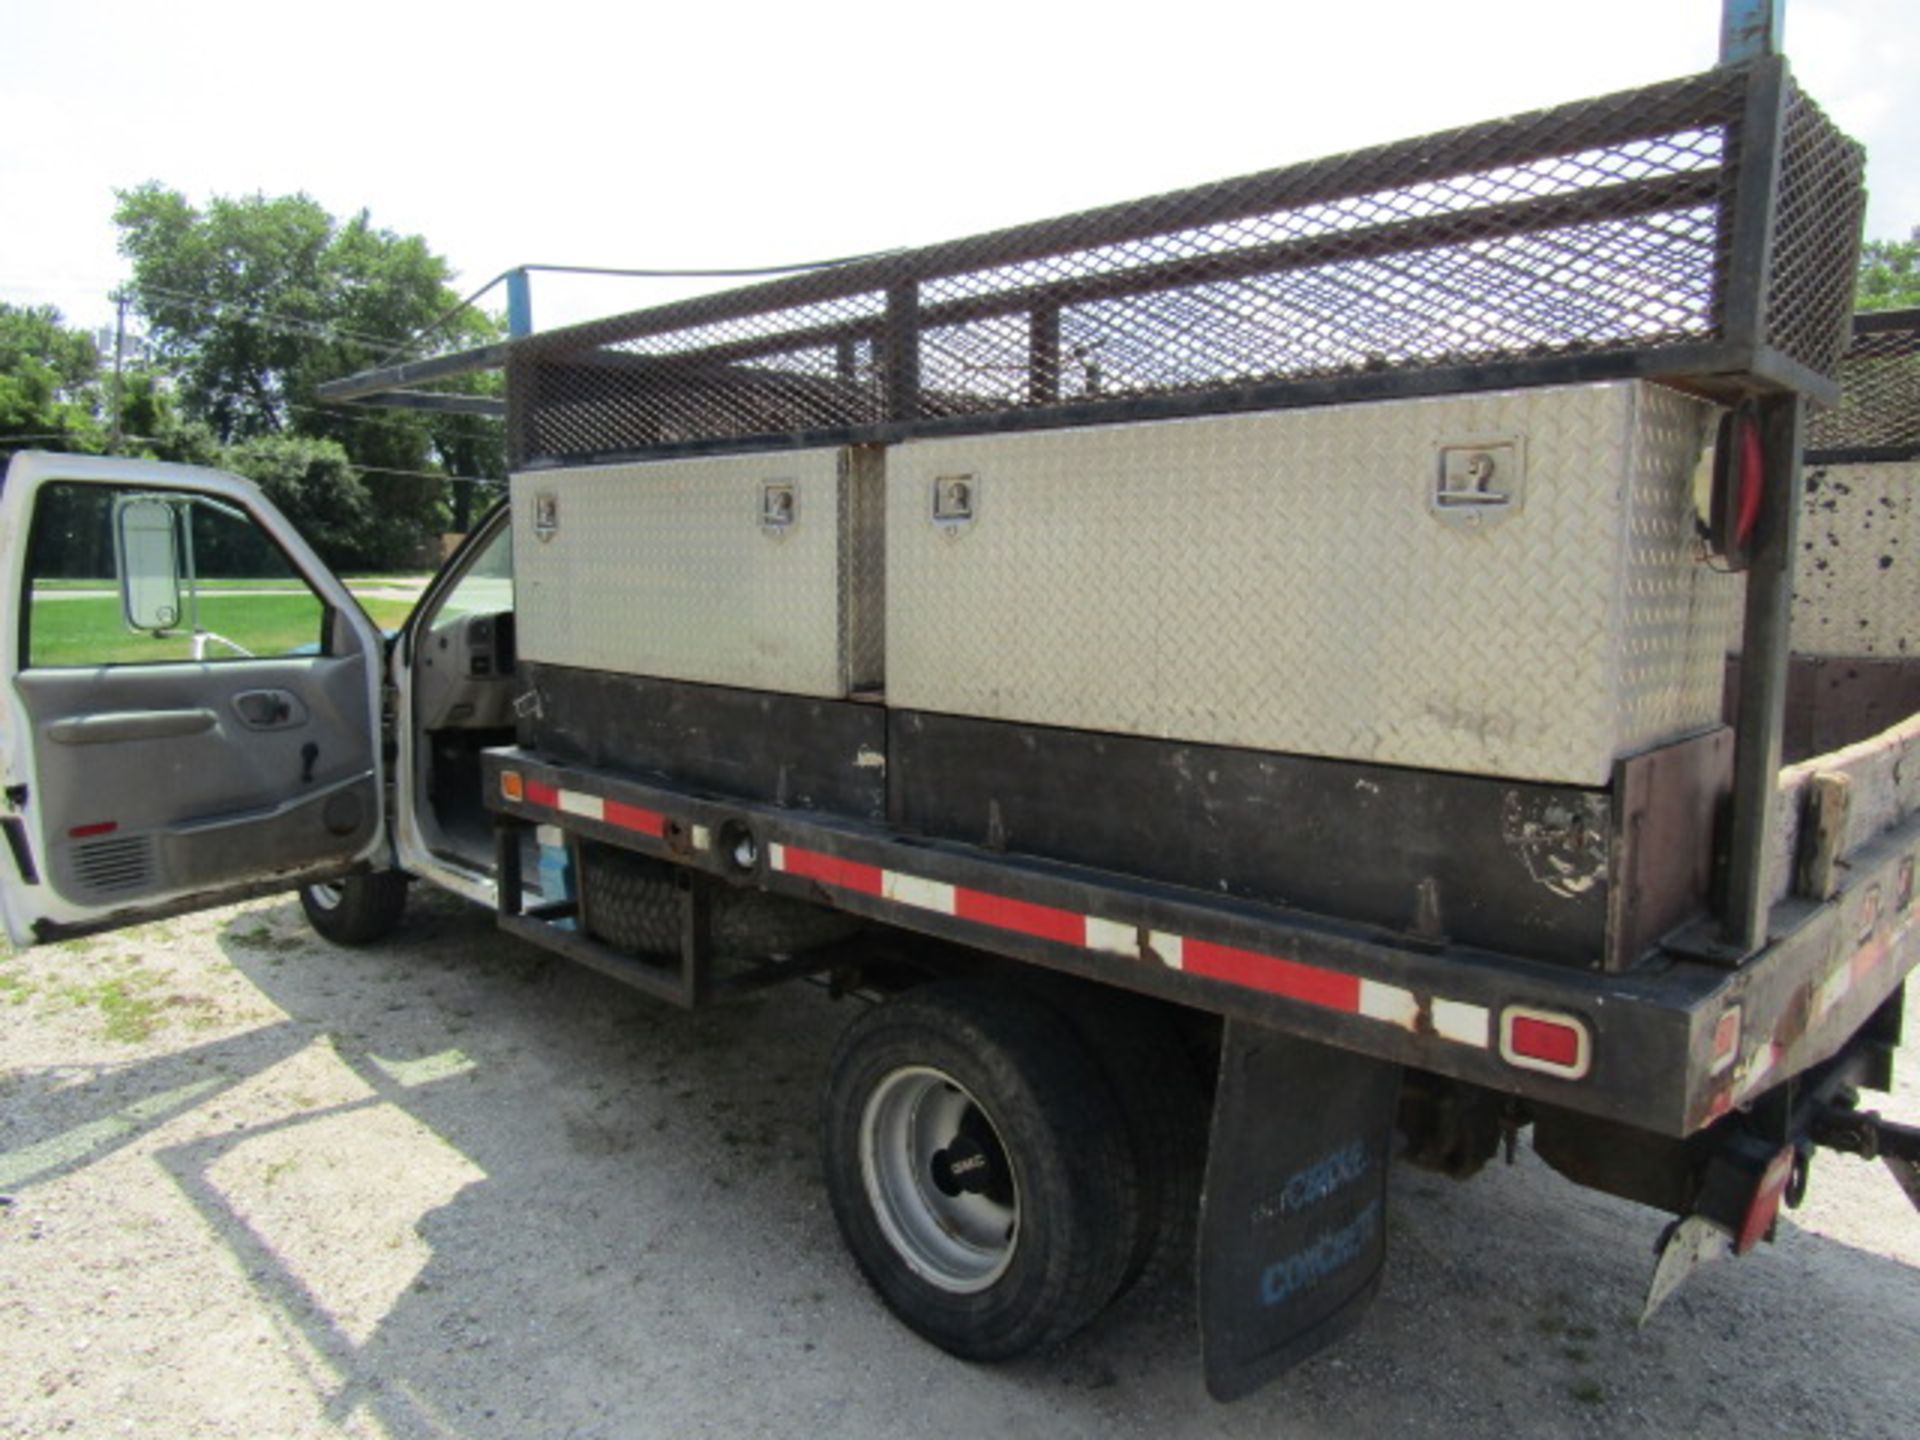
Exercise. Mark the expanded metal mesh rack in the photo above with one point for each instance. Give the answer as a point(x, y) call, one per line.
point(1704, 230)
point(1877, 418)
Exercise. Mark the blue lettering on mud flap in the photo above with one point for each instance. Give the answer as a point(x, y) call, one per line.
point(1328, 1253)
point(1308, 1186)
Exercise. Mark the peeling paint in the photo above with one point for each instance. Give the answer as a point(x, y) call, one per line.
point(869, 758)
point(1561, 842)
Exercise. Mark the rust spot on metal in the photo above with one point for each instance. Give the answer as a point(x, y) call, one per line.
point(1795, 1016)
point(1423, 1017)
point(1562, 842)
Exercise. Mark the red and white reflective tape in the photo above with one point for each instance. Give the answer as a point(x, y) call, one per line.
point(1453, 1020)
point(593, 807)
point(1457, 1021)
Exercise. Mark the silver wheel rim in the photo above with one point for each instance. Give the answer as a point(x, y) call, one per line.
point(327, 895)
point(961, 1242)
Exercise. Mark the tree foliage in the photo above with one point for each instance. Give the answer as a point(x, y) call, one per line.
point(253, 303)
point(1889, 274)
point(315, 486)
point(49, 393)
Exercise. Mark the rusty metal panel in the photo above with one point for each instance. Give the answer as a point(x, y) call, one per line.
point(728, 571)
point(1665, 803)
point(1297, 581)
point(1857, 584)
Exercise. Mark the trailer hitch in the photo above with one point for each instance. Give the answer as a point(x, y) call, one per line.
point(1864, 1133)
point(1741, 1191)
point(1748, 1180)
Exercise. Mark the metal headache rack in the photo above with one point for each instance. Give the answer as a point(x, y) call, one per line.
point(1625, 235)
point(1877, 418)
point(1702, 231)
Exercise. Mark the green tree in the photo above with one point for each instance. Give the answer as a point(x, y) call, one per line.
point(315, 486)
point(49, 391)
point(1889, 274)
point(152, 426)
point(254, 302)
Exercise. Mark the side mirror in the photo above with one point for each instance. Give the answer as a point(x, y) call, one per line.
point(146, 541)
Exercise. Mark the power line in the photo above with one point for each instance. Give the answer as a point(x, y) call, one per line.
point(736, 273)
point(428, 475)
point(271, 319)
point(216, 302)
point(384, 418)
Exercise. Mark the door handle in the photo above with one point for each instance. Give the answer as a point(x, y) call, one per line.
point(269, 709)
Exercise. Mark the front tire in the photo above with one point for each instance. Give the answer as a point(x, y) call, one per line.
point(356, 909)
point(979, 1168)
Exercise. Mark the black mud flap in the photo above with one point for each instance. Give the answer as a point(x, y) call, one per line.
point(1294, 1221)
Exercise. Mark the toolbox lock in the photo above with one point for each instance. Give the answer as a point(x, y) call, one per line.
point(954, 501)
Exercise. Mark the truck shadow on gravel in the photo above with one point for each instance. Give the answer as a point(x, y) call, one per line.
point(631, 1237)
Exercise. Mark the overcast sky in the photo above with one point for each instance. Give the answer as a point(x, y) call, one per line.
point(729, 134)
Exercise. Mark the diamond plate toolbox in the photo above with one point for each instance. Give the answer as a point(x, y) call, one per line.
point(1503, 583)
point(758, 571)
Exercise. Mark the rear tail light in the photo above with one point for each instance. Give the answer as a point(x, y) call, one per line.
point(1739, 486)
point(1544, 1040)
point(1764, 1208)
point(512, 788)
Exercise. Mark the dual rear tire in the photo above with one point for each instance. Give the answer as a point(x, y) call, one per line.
point(989, 1172)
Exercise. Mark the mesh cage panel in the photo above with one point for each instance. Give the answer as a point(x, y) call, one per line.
point(1601, 233)
point(1878, 417)
point(1816, 243)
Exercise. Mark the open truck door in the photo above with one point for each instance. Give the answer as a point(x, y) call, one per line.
point(193, 701)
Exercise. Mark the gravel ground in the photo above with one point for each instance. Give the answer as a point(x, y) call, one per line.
point(256, 1186)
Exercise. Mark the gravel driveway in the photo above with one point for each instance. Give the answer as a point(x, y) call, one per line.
point(260, 1187)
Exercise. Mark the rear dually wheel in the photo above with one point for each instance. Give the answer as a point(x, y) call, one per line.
point(979, 1169)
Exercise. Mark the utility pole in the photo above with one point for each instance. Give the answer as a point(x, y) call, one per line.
point(1750, 29)
point(119, 359)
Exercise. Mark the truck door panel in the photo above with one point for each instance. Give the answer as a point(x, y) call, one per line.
point(216, 746)
point(150, 779)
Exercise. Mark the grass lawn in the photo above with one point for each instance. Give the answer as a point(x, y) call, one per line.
point(90, 631)
point(289, 584)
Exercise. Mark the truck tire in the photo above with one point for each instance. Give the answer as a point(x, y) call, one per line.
point(356, 909)
point(979, 1168)
point(1167, 1117)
